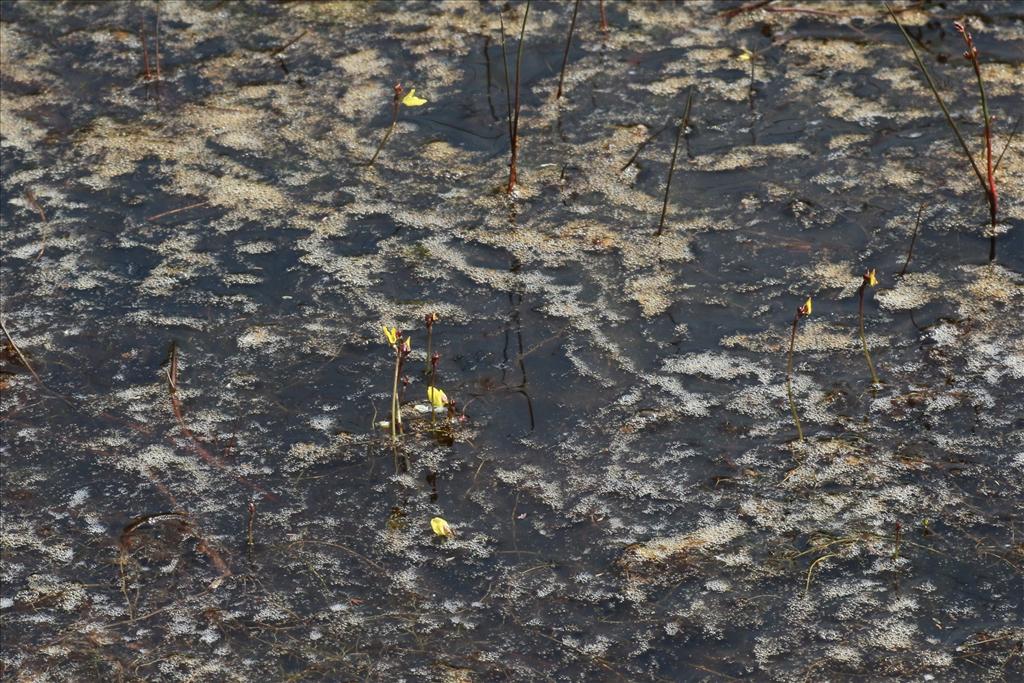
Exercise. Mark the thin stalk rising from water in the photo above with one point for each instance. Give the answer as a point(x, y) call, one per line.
point(568, 42)
point(869, 280)
point(913, 239)
point(801, 312)
point(672, 165)
point(987, 187)
point(514, 122)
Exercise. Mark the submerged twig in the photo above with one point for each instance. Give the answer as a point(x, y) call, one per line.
point(672, 165)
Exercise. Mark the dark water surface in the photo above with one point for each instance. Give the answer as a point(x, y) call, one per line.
point(628, 497)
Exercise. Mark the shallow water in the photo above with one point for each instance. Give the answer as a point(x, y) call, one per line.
point(623, 479)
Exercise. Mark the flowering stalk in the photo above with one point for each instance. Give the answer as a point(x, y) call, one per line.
point(801, 312)
point(409, 100)
point(401, 349)
point(432, 391)
point(869, 280)
point(990, 191)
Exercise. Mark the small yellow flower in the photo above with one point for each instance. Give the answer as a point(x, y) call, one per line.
point(390, 334)
point(807, 307)
point(441, 527)
point(870, 277)
point(436, 397)
point(745, 55)
point(407, 345)
point(411, 100)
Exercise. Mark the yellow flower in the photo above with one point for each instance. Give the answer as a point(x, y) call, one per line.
point(411, 100)
point(870, 277)
point(436, 397)
point(441, 527)
point(391, 334)
point(807, 307)
point(407, 345)
point(745, 55)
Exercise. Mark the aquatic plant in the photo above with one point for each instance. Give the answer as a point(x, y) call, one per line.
point(401, 98)
point(441, 527)
point(801, 312)
point(513, 105)
point(401, 348)
point(988, 179)
point(565, 54)
point(683, 123)
point(869, 280)
point(913, 239)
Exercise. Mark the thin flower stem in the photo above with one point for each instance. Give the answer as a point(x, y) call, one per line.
point(514, 156)
point(394, 398)
point(863, 339)
point(391, 128)
point(789, 379)
point(568, 43)
point(672, 165)
point(991, 192)
point(938, 98)
point(913, 239)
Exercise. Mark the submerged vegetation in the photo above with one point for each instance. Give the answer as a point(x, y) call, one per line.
point(587, 468)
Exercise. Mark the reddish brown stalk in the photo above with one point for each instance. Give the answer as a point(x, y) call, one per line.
point(991, 192)
point(179, 210)
point(514, 127)
point(604, 19)
point(568, 43)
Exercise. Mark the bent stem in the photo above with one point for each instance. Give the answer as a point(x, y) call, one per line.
point(789, 380)
point(863, 339)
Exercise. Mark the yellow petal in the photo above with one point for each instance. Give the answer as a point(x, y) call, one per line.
point(441, 527)
point(436, 397)
point(807, 306)
point(411, 100)
point(745, 55)
point(872, 280)
point(407, 345)
point(391, 334)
